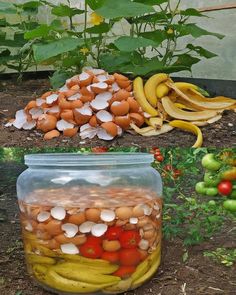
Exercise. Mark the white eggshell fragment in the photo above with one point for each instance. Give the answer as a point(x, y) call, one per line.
point(86, 227)
point(70, 229)
point(147, 210)
point(108, 215)
point(58, 213)
point(62, 125)
point(29, 227)
point(105, 96)
point(43, 216)
point(104, 116)
point(29, 125)
point(69, 249)
point(99, 229)
point(143, 244)
point(133, 220)
point(51, 98)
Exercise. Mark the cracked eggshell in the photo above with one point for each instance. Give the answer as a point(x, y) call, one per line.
point(77, 240)
point(102, 134)
point(51, 134)
point(104, 116)
point(28, 125)
point(52, 98)
point(86, 227)
point(46, 94)
point(105, 96)
point(99, 87)
point(86, 98)
point(93, 214)
point(99, 229)
point(67, 115)
point(62, 125)
point(138, 211)
point(77, 218)
point(75, 96)
point(123, 121)
point(98, 104)
point(134, 107)
point(53, 227)
point(70, 132)
point(58, 213)
point(46, 122)
point(111, 128)
point(133, 220)
point(87, 91)
point(120, 108)
point(43, 216)
point(69, 249)
point(30, 105)
point(107, 215)
point(137, 119)
point(93, 121)
point(85, 79)
point(36, 113)
point(122, 94)
point(143, 244)
point(72, 81)
point(86, 131)
point(147, 209)
point(123, 83)
point(82, 115)
point(124, 213)
point(120, 77)
point(95, 72)
point(70, 229)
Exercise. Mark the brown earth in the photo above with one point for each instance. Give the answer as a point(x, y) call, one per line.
point(199, 275)
point(15, 96)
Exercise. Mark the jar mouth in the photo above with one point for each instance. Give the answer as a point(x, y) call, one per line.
point(88, 159)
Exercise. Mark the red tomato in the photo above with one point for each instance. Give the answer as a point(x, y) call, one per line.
point(168, 167)
point(129, 257)
point(129, 239)
point(94, 240)
point(100, 149)
point(113, 233)
point(177, 173)
point(225, 187)
point(159, 158)
point(113, 257)
point(124, 271)
point(91, 250)
point(154, 150)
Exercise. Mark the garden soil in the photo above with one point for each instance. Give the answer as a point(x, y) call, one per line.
point(15, 96)
point(197, 276)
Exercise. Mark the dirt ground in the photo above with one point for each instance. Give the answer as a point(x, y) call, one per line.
point(15, 96)
point(198, 276)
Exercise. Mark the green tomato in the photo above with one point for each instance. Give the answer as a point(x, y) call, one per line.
point(212, 191)
point(230, 205)
point(233, 195)
point(211, 179)
point(211, 203)
point(200, 188)
point(210, 163)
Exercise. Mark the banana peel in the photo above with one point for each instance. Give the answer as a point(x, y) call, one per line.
point(189, 127)
point(162, 90)
point(207, 122)
point(122, 286)
point(34, 258)
point(156, 122)
point(151, 131)
point(177, 113)
point(189, 86)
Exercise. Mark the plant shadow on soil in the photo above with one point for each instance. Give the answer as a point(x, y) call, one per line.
point(16, 96)
point(198, 275)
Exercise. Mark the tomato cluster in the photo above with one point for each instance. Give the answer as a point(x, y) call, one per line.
point(157, 154)
point(128, 256)
point(175, 173)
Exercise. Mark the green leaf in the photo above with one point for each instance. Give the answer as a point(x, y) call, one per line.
point(194, 30)
point(18, 40)
point(122, 8)
point(64, 10)
point(40, 31)
point(129, 44)
point(7, 8)
point(201, 51)
point(157, 36)
point(45, 51)
point(151, 2)
point(58, 78)
point(158, 17)
point(186, 60)
point(102, 28)
point(111, 62)
point(94, 4)
point(192, 12)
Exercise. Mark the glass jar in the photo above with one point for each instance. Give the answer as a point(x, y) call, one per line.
point(91, 223)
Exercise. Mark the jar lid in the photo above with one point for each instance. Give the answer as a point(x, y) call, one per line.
point(88, 159)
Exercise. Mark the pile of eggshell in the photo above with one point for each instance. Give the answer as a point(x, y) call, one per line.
point(65, 230)
point(93, 103)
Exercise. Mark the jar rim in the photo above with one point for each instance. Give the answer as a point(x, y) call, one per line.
point(88, 159)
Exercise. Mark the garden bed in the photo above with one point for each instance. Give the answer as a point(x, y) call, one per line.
point(15, 96)
point(198, 275)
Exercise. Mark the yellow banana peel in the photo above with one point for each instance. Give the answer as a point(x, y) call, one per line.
point(151, 131)
point(162, 90)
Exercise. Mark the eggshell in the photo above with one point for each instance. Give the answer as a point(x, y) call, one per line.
point(63, 103)
point(70, 229)
point(78, 218)
point(46, 94)
point(108, 215)
point(52, 244)
point(129, 88)
point(67, 115)
point(69, 249)
point(76, 104)
point(69, 93)
point(93, 121)
point(93, 214)
point(143, 244)
point(85, 79)
point(124, 213)
point(120, 77)
point(77, 240)
point(86, 227)
point(70, 132)
point(73, 81)
point(58, 212)
point(98, 104)
point(120, 222)
point(129, 226)
point(143, 221)
point(111, 128)
point(149, 234)
point(86, 98)
point(75, 87)
point(143, 254)
point(123, 83)
point(46, 123)
point(30, 105)
point(53, 227)
point(43, 216)
point(120, 108)
point(133, 105)
point(138, 119)
point(82, 115)
point(85, 92)
point(138, 211)
point(121, 94)
point(133, 220)
point(43, 235)
point(99, 229)
point(99, 87)
point(111, 246)
point(123, 121)
point(104, 116)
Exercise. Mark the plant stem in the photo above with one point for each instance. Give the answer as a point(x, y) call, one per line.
point(85, 21)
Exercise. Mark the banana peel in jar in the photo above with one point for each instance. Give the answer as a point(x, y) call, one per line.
point(37, 259)
point(121, 287)
point(189, 127)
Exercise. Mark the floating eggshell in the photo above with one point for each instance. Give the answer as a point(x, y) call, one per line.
point(33, 212)
point(147, 209)
point(120, 77)
point(138, 211)
point(98, 104)
point(123, 121)
point(52, 244)
point(29, 226)
point(51, 134)
point(93, 121)
point(122, 94)
point(111, 128)
point(43, 216)
point(104, 116)
point(42, 235)
point(30, 105)
point(58, 213)
point(111, 246)
point(78, 218)
point(143, 244)
point(133, 220)
point(138, 119)
point(46, 123)
point(99, 229)
point(123, 83)
point(108, 215)
point(85, 79)
point(86, 227)
point(69, 249)
point(143, 221)
point(99, 87)
point(149, 234)
point(133, 105)
point(77, 240)
point(93, 214)
point(120, 108)
point(70, 229)
point(120, 222)
point(67, 115)
point(70, 132)
point(129, 226)
point(53, 227)
point(124, 213)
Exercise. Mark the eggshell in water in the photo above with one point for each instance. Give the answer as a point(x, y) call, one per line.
point(78, 218)
point(124, 213)
point(111, 246)
point(93, 214)
point(53, 227)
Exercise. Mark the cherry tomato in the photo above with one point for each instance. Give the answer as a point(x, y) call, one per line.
point(225, 187)
point(113, 257)
point(94, 240)
point(177, 173)
point(168, 167)
point(154, 150)
point(100, 149)
point(91, 250)
point(129, 239)
point(113, 233)
point(129, 257)
point(159, 158)
point(124, 271)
